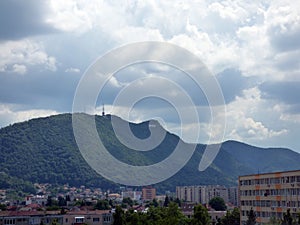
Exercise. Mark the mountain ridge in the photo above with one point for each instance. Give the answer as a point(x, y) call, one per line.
point(44, 150)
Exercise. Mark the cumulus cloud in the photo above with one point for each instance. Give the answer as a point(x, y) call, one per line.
point(283, 26)
point(251, 46)
point(21, 69)
point(10, 114)
point(17, 55)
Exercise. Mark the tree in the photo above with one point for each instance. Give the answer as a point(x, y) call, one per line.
point(3, 207)
point(200, 216)
point(231, 218)
point(102, 205)
point(68, 199)
point(127, 201)
point(49, 201)
point(172, 214)
point(274, 221)
point(287, 218)
point(251, 218)
point(155, 203)
point(118, 216)
point(167, 201)
point(54, 222)
point(218, 204)
point(61, 201)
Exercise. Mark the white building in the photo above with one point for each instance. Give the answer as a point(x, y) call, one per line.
point(202, 194)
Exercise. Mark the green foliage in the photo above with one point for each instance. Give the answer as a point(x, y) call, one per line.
point(287, 218)
point(251, 218)
point(119, 216)
point(200, 216)
point(15, 183)
point(274, 221)
point(170, 215)
point(55, 222)
point(102, 205)
point(231, 218)
point(167, 201)
point(3, 207)
point(62, 201)
point(127, 201)
point(218, 204)
point(44, 150)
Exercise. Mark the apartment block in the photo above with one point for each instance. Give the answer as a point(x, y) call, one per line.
point(191, 194)
point(95, 217)
point(148, 193)
point(201, 194)
point(269, 195)
point(29, 218)
point(233, 196)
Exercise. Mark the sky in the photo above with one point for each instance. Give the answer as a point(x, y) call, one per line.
point(251, 47)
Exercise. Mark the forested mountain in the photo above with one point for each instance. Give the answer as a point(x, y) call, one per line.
point(44, 150)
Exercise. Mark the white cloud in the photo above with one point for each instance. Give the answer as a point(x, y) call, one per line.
point(229, 10)
point(72, 70)
point(16, 56)
point(9, 114)
point(246, 115)
point(21, 69)
point(71, 16)
point(258, 38)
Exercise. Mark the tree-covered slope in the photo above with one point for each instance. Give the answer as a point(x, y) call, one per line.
point(263, 159)
point(44, 150)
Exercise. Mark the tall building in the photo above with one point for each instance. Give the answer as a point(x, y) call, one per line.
point(201, 194)
point(217, 191)
point(269, 195)
point(233, 196)
point(148, 193)
point(195, 194)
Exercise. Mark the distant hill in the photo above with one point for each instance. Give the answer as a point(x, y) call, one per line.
point(44, 150)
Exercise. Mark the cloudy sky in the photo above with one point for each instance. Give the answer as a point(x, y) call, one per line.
point(251, 47)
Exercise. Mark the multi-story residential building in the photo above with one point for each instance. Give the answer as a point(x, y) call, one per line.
point(213, 191)
point(134, 195)
point(30, 217)
point(269, 195)
point(233, 196)
point(148, 193)
point(201, 194)
point(95, 217)
point(196, 194)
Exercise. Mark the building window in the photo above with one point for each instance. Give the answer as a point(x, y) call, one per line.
point(79, 219)
point(97, 219)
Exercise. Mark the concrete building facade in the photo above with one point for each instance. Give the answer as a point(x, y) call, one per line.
point(201, 194)
point(270, 195)
point(148, 193)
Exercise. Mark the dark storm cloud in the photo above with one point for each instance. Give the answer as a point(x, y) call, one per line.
point(287, 92)
point(232, 83)
point(19, 19)
point(35, 91)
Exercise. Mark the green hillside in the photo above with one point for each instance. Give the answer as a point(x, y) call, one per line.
point(44, 150)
